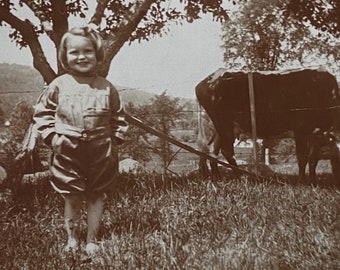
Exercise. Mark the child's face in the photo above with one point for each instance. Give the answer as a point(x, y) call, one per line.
point(80, 55)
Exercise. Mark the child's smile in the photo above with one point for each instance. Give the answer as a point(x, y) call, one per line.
point(81, 55)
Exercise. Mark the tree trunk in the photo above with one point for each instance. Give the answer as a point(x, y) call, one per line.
point(31, 38)
point(115, 41)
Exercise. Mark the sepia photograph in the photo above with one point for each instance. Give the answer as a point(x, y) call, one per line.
point(170, 134)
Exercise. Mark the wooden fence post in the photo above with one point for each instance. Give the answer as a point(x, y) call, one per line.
point(253, 118)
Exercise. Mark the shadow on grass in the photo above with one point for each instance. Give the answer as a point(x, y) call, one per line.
point(25, 193)
point(264, 174)
point(31, 216)
point(20, 198)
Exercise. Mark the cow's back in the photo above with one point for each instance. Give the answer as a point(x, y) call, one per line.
point(284, 101)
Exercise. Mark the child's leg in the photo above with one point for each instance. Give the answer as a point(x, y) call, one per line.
point(73, 205)
point(94, 215)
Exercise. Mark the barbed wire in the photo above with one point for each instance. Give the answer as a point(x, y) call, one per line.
point(235, 112)
point(143, 88)
point(152, 86)
point(20, 92)
point(39, 91)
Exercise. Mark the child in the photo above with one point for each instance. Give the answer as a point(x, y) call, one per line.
point(81, 118)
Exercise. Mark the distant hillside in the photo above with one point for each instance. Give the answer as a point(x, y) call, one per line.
point(24, 83)
point(18, 83)
point(137, 97)
point(19, 78)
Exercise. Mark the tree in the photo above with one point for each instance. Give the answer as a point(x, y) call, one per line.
point(262, 37)
point(324, 15)
point(137, 144)
point(163, 114)
point(118, 21)
point(121, 21)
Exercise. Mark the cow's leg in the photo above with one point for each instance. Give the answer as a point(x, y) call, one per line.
point(301, 153)
point(313, 149)
point(203, 167)
point(227, 149)
point(231, 160)
point(335, 162)
point(215, 173)
point(335, 159)
point(312, 163)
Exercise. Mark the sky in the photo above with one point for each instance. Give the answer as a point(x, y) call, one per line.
point(174, 63)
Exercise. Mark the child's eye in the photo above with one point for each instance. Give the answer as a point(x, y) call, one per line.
point(72, 52)
point(89, 51)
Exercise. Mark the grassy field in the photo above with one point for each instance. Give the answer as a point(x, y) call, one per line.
point(152, 222)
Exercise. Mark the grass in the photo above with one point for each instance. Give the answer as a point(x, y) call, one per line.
point(180, 223)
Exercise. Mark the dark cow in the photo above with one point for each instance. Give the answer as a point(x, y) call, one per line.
point(299, 100)
point(208, 142)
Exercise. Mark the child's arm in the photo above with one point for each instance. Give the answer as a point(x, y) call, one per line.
point(44, 114)
point(118, 123)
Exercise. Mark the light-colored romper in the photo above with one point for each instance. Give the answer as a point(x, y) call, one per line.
point(82, 123)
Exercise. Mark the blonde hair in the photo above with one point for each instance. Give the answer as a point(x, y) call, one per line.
point(84, 32)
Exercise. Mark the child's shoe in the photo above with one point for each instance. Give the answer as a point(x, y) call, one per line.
point(72, 245)
point(91, 249)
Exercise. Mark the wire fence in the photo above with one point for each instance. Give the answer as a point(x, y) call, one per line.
point(184, 161)
point(280, 157)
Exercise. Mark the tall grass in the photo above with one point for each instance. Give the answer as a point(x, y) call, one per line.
point(180, 223)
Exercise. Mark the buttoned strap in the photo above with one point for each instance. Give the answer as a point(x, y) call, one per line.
point(86, 135)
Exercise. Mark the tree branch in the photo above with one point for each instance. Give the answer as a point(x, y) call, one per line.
point(99, 12)
point(47, 26)
point(29, 35)
point(114, 42)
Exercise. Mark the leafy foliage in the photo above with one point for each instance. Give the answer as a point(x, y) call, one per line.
point(137, 145)
point(324, 15)
point(121, 21)
point(163, 114)
point(118, 21)
point(263, 37)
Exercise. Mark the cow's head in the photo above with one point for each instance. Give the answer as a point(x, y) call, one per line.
point(323, 144)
